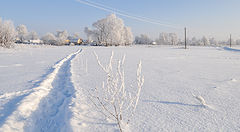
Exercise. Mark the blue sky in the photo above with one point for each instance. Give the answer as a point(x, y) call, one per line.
point(213, 18)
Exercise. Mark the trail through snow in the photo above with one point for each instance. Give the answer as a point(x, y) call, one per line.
point(42, 102)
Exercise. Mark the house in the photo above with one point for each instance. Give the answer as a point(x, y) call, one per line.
point(37, 41)
point(74, 41)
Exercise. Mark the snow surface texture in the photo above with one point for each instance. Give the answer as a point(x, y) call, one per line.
point(185, 90)
point(172, 76)
point(25, 66)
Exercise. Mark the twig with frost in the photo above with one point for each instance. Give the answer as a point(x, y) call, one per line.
point(200, 99)
point(113, 99)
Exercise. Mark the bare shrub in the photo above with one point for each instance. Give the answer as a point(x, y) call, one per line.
point(112, 99)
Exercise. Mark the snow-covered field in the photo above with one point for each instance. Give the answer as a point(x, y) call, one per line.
point(46, 88)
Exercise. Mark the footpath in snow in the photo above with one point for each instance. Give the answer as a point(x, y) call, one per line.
point(44, 105)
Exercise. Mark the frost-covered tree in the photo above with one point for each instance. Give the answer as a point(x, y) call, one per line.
point(173, 38)
point(127, 36)
point(205, 40)
point(163, 38)
point(194, 41)
point(223, 42)
point(180, 41)
point(167, 38)
point(7, 33)
point(92, 35)
point(58, 39)
point(143, 39)
point(22, 32)
point(74, 36)
point(33, 35)
point(109, 31)
point(213, 41)
point(49, 38)
point(238, 42)
point(61, 37)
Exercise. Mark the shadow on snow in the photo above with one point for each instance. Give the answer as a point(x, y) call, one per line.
point(173, 103)
point(231, 49)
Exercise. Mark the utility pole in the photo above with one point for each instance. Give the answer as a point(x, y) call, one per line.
point(185, 32)
point(230, 40)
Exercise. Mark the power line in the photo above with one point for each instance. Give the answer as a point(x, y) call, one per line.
point(114, 9)
point(122, 13)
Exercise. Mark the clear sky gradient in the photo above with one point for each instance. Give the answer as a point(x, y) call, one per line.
point(213, 18)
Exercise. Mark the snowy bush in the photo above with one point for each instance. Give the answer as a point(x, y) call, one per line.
point(7, 33)
point(110, 31)
point(112, 99)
